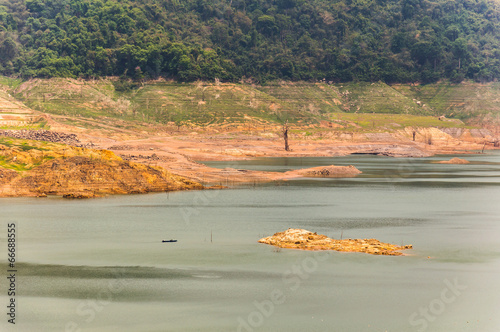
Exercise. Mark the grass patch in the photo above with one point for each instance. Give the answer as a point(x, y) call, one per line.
point(36, 126)
point(24, 145)
point(24, 155)
point(7, 142)
point(27, 147)
point(314, 99)
point(20, 167)
point(462, 101)
point(388, 122)
point(69, 97)
point(10, 82)
point(205, 104)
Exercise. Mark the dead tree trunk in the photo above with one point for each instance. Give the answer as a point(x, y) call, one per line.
point(285, 135)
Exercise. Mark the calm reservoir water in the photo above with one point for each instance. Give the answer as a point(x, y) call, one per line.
point(100, 265)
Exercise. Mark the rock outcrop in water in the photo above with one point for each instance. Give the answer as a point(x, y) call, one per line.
point(457, 161)
point(326, 172)
point(306, 240)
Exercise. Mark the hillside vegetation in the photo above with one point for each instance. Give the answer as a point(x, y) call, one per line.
point(261, 40)
point(368, 106)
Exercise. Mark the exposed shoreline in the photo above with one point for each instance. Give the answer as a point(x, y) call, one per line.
point(177, 156)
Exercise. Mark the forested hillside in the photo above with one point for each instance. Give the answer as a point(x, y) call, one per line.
point(337, 40)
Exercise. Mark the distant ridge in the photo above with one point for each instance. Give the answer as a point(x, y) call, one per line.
point(256, 40)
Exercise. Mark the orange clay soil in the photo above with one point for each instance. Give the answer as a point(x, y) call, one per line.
point(178, 154)
point(81, 173)
point(305, 240)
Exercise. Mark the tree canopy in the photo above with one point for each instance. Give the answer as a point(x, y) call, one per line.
point(336, 40)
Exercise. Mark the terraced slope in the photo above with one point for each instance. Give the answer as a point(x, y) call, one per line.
point(130, 105)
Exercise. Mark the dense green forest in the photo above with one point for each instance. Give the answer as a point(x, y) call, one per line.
point(262, 40)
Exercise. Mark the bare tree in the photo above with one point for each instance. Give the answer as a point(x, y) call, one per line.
point(285, 135)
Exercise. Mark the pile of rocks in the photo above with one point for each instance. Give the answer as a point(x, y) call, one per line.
point(326, 172)
point(142, 158)
point(43, 135)
point(121, 147)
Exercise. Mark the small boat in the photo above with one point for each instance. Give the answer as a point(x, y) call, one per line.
point(169, 241)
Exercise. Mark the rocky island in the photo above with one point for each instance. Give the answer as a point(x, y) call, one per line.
point(456, 161)
point(306, 240)
point(331, 171)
